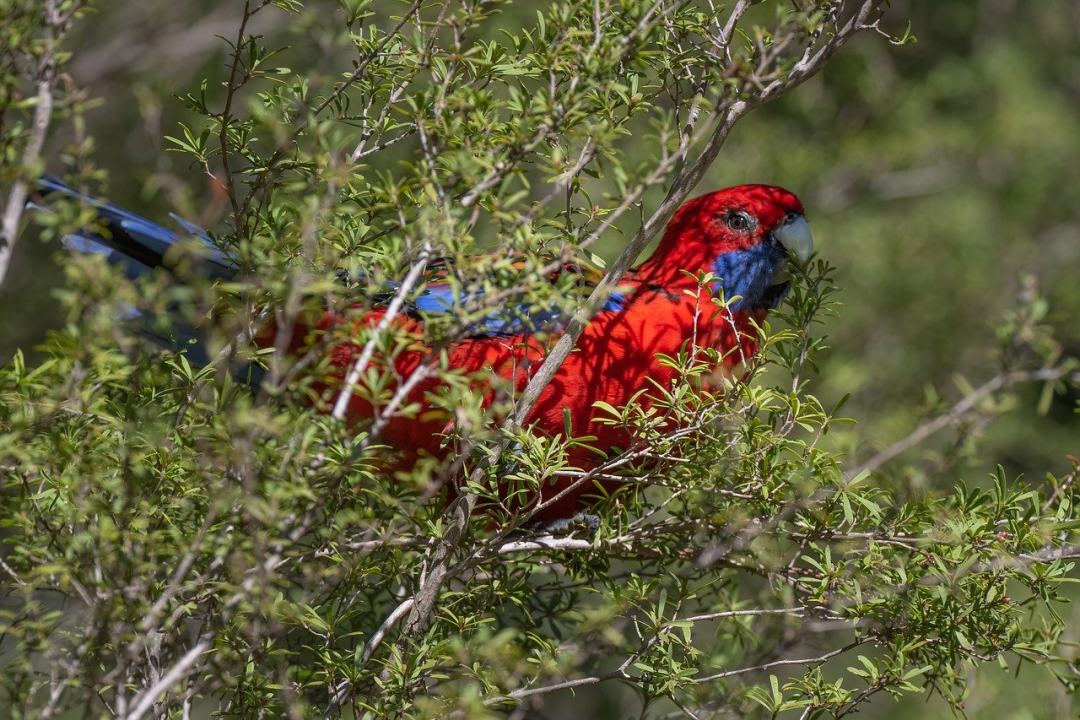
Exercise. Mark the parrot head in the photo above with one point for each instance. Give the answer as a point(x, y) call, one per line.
point(745, 236)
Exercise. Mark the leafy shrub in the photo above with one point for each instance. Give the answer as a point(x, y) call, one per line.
point(177, 542)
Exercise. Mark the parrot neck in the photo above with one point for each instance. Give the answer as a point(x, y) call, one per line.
point(680, 251)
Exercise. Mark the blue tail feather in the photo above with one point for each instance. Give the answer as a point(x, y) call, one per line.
point(138, 245)
point(135, 242)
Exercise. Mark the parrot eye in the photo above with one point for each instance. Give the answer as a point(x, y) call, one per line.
point(739, 221)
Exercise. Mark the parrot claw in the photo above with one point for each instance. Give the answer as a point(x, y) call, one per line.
point(582, 521)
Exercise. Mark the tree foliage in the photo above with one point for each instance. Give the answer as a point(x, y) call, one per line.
point(179, 539)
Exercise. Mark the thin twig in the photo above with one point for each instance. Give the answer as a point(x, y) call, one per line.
point(931, 427)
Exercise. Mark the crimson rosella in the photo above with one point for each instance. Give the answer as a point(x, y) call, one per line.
point(743, 236)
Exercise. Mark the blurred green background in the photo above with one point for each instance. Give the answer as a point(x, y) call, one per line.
point(936, 175)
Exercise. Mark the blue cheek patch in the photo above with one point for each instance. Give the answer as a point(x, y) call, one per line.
point(748, 274)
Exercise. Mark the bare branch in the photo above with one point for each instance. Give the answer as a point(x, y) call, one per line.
point(341, 406)
point(45, 80)
point(174, 675)
point(958, 411)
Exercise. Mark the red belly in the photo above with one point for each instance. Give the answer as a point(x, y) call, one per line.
point(615, 358)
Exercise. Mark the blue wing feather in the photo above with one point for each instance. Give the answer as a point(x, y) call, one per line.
point(510, 320)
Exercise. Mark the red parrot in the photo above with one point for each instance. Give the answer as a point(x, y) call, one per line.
point(742, 235)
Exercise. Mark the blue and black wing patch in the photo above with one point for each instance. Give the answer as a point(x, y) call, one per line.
point(139, 245)
point(514, 317)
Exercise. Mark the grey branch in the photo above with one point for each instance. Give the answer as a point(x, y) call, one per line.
point(958, 411)
point(175, 674)
point(45, 80)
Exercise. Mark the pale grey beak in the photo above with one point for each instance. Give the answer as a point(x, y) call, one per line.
point(794, 234)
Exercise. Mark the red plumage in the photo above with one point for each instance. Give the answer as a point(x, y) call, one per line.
point(617, 354)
